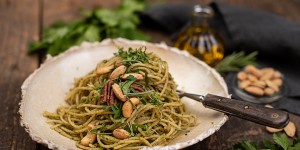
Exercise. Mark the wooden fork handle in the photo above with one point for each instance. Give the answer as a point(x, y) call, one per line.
point(249, 111)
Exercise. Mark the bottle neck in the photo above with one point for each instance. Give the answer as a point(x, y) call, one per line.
point(200, 20)
point(201, 16)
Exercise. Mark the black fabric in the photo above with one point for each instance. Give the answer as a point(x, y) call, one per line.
point(170, 17)
point(275, 38)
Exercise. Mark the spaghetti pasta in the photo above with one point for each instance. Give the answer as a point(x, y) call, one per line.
point(97, 110)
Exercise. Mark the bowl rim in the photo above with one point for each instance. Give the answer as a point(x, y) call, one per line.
point(85, 45)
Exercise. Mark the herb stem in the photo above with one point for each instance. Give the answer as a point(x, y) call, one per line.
point(141, 93)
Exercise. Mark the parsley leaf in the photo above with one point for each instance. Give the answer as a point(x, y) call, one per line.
point(142, 126)
point(244, 145)
point(280, 143)
point(96, 25)
point(155, 99)
point(143, 100)
point(126, 86)
point(296, 147)
point(99, 129)
point(122, 119)
point(269, 144)
point(141, 93)
point(133, 128)
point(99, 88)
point(282, 140)
point(117, 110)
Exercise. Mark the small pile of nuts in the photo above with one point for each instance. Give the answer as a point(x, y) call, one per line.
point(290, 129)
point(259, 82)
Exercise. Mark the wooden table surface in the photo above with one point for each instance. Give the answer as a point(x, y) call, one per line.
point(21, 21)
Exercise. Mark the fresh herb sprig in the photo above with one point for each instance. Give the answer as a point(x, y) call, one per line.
point(117, 110)
point(95, 26)
point(100, 87)
point(236, 61)
point(100, 130)
point(132, 56)
point(155, 99)
point(280, 143)
point(126, 86)
point(149, 92)
point(133, 128)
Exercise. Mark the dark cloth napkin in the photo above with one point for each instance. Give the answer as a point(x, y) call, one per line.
point(275, 38)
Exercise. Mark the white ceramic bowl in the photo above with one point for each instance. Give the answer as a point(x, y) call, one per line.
point(45, 89)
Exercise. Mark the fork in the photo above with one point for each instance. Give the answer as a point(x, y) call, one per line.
point(253, 112)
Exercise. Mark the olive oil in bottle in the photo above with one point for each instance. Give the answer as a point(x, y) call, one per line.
point(199, 39)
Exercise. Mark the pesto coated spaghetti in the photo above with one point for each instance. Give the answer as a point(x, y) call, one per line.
point(129, 101)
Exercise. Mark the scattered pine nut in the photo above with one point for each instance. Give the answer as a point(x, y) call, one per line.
point(121, 134)
point(117, 72)
point(127, 109)
point(273, 130)
point(290, 129)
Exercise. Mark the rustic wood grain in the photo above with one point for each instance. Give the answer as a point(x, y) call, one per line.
point(236, 130)
point(18, 26)
point(66, 10)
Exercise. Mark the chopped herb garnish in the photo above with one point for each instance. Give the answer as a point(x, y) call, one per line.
point(143, 100)
point(132, 90)
point(117, 110)
point(122, 119)
point(126, 86)
point(100, 129)
point(133, 128)
point(133, 56)
point(94, 98)
point(155, 99)
point(136, 126)
point(130, 78)
point(130, 129)
point(117, 81)
point(99, 88)
point(140, 93)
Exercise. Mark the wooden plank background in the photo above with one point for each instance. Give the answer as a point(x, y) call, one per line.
point(18, 26)
point(21, 21)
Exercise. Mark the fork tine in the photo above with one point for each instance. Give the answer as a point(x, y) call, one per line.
point(180, 93)
point(196, 97)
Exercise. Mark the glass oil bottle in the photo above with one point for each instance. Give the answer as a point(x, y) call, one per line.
point(200, 39)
